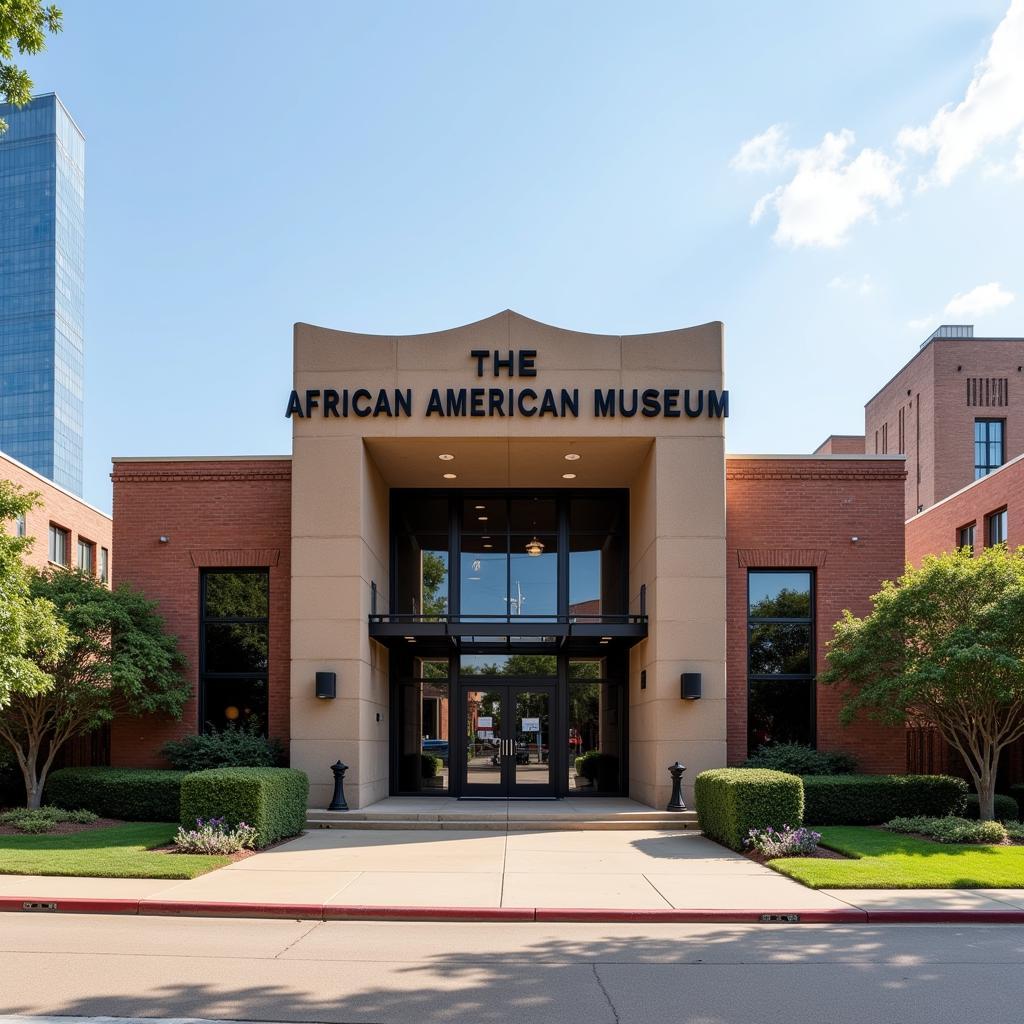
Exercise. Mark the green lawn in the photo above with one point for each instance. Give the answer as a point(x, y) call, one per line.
point(887, 860)
point(118, 852)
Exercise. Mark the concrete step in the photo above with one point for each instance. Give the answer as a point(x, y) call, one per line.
point(683, 821)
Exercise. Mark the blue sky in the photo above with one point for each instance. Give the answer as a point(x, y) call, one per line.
point(404, 167)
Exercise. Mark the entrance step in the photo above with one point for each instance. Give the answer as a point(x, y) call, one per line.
point(507, 822)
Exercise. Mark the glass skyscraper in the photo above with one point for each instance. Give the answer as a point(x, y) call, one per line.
point(42, 285)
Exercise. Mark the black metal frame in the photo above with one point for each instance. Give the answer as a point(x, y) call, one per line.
point(988, 421)
point(782, 677)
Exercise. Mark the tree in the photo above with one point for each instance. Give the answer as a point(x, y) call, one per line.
point(944, 644)
point(23, 28)
point(118, 661)
point(28, 626)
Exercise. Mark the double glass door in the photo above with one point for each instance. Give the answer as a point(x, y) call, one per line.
point(509, 741)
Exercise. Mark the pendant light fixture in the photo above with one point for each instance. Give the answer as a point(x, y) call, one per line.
point(534, 547)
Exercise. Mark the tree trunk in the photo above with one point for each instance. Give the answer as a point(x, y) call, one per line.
point(987, 795)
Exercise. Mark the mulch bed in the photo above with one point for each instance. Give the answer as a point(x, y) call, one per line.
point(65, 828)
point(821, 853)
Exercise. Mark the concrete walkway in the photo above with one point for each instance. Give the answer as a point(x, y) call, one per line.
point(599, 872)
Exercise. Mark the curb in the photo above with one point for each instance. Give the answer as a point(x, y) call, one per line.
point(550, 915)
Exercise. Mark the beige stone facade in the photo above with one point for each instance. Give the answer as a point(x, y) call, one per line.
point(670, 458)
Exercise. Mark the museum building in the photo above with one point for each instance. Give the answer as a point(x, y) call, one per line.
point(498, 548)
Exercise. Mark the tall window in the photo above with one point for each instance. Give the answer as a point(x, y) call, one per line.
point(20, 526)
point(86, 556)
point(780, 657)
point(104, 565)
point(965, 536)
point(233, 652)
point(60, 541)
point(988, 446)
point(996, 528)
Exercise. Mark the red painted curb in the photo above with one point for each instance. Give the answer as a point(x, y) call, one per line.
point(202, 908)
point(349, 913)
point(319, 912)
point(684, 916)
point(68, 905)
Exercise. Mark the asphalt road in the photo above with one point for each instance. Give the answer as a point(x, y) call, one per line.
point(421, 973)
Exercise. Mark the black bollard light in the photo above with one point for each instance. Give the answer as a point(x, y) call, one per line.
point(338, 802)
point(676, 803)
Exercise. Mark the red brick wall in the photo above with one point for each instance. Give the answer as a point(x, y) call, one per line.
point(936, 379)
point(841, 444)
point(801, 513)
point(216, 513)
point(935, 529)
point(61, 508)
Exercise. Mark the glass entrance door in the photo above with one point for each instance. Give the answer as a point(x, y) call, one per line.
point(509, 745)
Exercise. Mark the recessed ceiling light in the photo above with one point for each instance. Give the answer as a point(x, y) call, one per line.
point(482, 519)
point(479, 508)
point(446, 457)
point(572, 457)
point(488, 545)
point(568, 476)
point(449, 476)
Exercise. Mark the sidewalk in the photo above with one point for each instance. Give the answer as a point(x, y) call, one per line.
point(545, 875)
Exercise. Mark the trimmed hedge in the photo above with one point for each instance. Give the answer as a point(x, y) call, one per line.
point(1006, 808)
point(133, 794)
point(876, 799)
point(800, 759)
point(272, 800)
point(732, 801)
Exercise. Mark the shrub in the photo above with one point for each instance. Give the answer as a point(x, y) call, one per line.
point(43, 819)
point(1017, 793)
point(1006, 808)
point(1014, 829)
point(874, 799)
point(215, 837)
point(798, 759)
point(272, 800)
point(430, 766)
point(132, 794)
point(234, 747)
point(732, 801)
point(950, 829)
point(785, 842)
point(601, 769)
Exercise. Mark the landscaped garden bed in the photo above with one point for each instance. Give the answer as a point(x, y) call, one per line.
point(880, 859)
point(128, 850)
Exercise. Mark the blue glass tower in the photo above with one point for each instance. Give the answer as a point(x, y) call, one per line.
point(42, 285)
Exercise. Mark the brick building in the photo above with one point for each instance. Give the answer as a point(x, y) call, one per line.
point(65, 530)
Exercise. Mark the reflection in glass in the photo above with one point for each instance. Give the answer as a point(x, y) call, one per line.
point(483, 720)
point(780, 595)
point(236, 647)
point(780, 648)
point(595, 733)
point(236, 702)
point(237, 595)
point(423, 742)
point(533, 584)
point(779, 711)
point(537, 666)
point(532, 764)
point(532, 515)
point(421, 557)
point(484, 576)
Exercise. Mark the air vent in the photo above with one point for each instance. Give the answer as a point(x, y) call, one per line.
point(988, 391)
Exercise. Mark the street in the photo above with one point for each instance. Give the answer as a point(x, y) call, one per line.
point(393, 973)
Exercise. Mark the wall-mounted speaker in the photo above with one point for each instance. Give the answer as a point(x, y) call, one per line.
point(326, 685)
point(690, 686)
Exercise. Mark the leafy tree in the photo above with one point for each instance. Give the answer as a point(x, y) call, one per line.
point(30, 632)
point(944, 644)
point(23, 28)
point(118, 661)
point(435, 587)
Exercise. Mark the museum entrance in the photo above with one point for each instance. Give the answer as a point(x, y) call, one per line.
point(509, 731)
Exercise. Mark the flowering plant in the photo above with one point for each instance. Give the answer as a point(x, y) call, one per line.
point(785, 842)
point(213, 836)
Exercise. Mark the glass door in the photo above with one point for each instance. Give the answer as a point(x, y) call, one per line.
point(508, 740)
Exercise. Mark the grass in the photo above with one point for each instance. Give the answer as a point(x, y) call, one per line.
point(886, 860)
point(122, 851)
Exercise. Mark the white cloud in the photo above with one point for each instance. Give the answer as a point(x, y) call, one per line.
point(923, 323)
point(992, 108)
point(986, 298)
point(863, 285)
point(830, 192)
point(768, 151)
